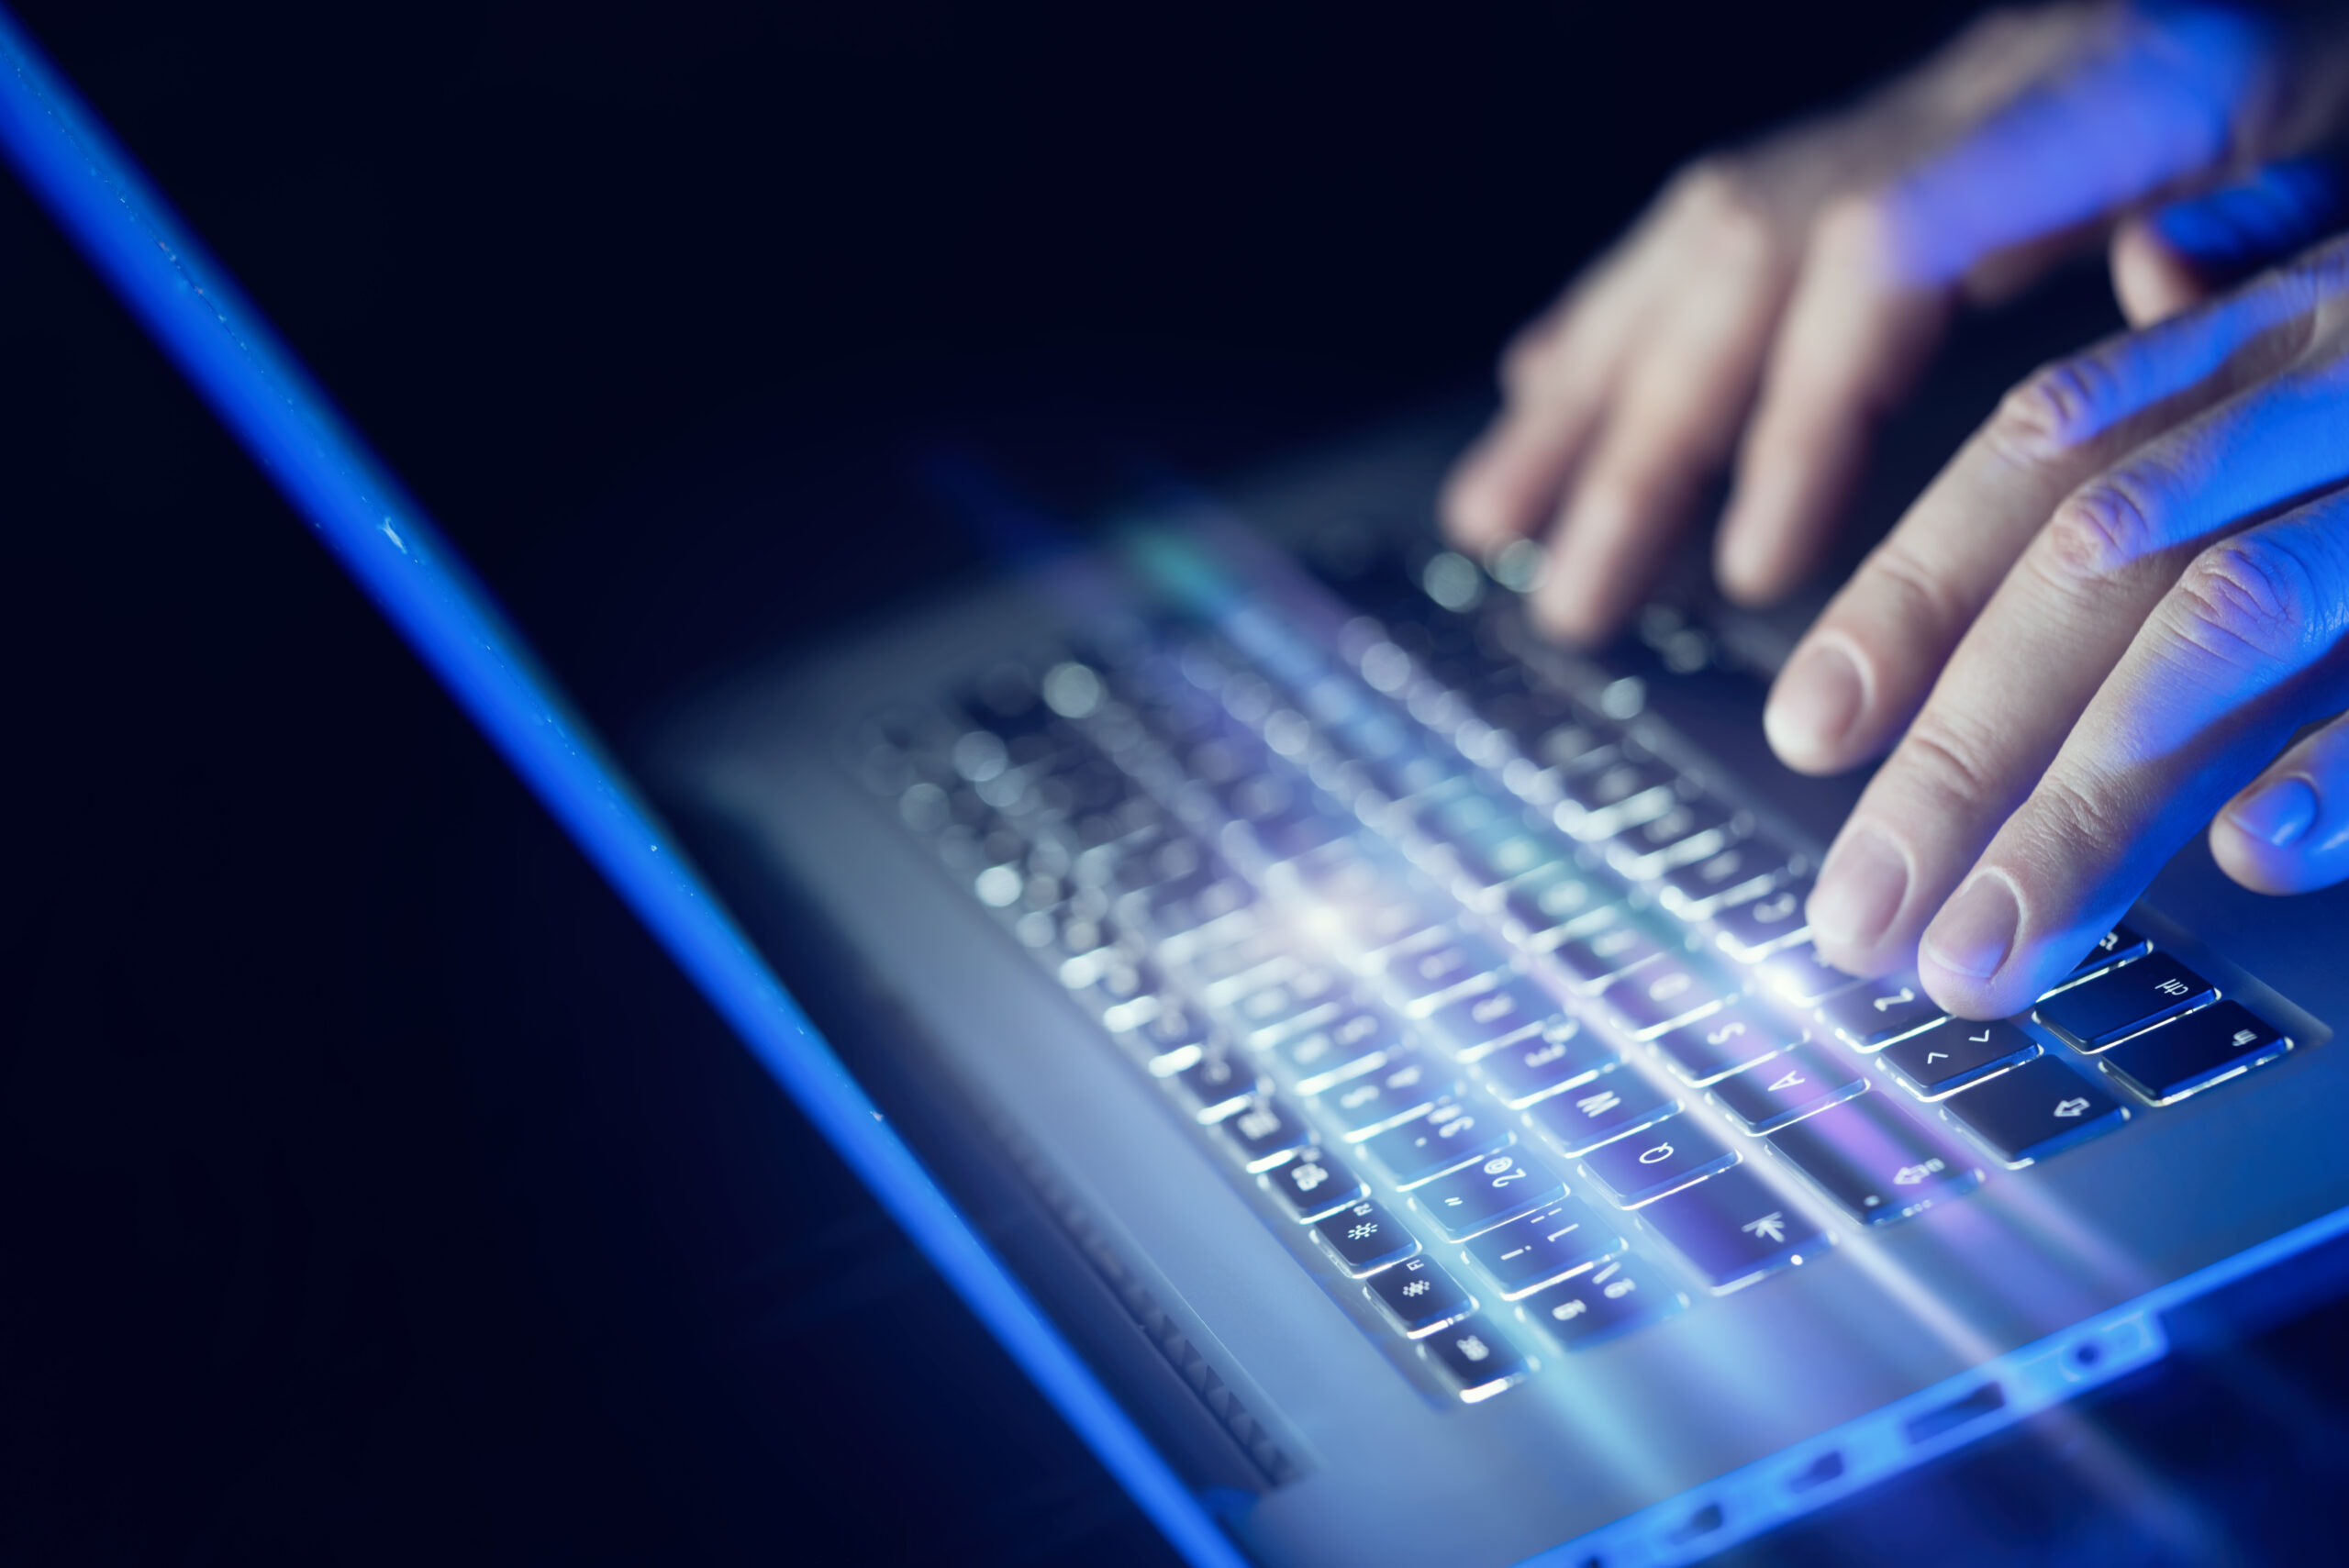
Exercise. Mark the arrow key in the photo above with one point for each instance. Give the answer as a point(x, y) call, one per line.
point(1957, 1055)
point(1871, 1016)
point(2040, 1109)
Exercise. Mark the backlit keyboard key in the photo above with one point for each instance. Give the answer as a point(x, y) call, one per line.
point(1802, 977)
point(1313, 1185)
point(1674, 1153)
point(1483, 1021)
point(1733, 1229)
point(1216, 1083)
point(1263, 1133)
point(1419, 1296)
point(1751, 930)
point(2188, 1055)
point(1787, 1087)
point(1958, 1054)
point(1602, 797)
point(1449, 1136)
point(1363, 1239)
point(1305, 999)
point(1713, 1048)
point(1346, 1047)
point(1609, 1107)
point(2117, 946)
point(2114, 1006)
point(1546, 1246)
point(1872, 1160)
point(1420, 977)
point(1590, 1309)
point(1545, 908)
point(1871, 1016)
point(1546, 1062)
point(2040, 1109)
point(1599, 957)
point(1733, 875)
point(1690, 831)
point(1661, 996)
point(1474, 1198)
point(1405, 1087)
point(1481, 1363)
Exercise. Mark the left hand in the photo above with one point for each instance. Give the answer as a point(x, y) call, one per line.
point(2098, 627)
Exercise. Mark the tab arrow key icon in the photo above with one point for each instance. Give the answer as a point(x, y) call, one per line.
point(2075, 1106)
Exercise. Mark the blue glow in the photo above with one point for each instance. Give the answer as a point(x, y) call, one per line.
point(2275, 212)
point(94, 192)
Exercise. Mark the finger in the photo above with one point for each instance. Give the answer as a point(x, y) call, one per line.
point(1863, 671)
point(1556, 379)
point(2181, 254)
point(1668, 432)
point(2160, 105)
point(2288, 833)
point(2239, 653)
point(2049, 637)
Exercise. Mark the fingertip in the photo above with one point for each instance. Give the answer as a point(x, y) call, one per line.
point(2151, 279)
point(2264, 839)
point(1814, 707)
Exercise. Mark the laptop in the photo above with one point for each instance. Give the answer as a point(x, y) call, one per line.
point(1368, 1065)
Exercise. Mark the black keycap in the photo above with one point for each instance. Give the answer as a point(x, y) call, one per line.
point(1419, 1296)
point(1544, 1062)
point(2116, 1005)
point(1313, 1185)
point(1492, 859)
point(1363, 1239)
point(1609, 1107)
point(1733, 1229)
point(2118, 945)
point(2040, 1109)
point(1378, 922)
point(1689, 830)
point(1871, 1016)
point(1224, 974)
point(1418, 977)
point(1958, 1054)
point(1169, 1037)
point(1449, 1136)
point(1874, 1161)
point(1263, 1133)
point(1741, 871)
point(1545, 908)
point(1800, 976)
point(2188, 1055)
point(1713, 1048)
point(1346, 1047)
point(1406, 1086)
point(1216, 1083)
point(1473, 1199)
point(1661, 996)
point(1605, 954)
point(1751, 930)
point(1787, 1087)
point(1479, 1360)
point(1606, 792)
point(1677, 1152)
point(1619, 1295)
point(1307, 999)
point(1483, 1022)
point(1544, 1247)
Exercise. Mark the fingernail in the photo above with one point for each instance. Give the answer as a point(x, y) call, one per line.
point(2279, 814)
point(1814, 703)
point(1976, 931)
point(1860, 890)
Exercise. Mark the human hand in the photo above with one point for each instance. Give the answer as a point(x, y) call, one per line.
point(2107, 615)
point(1807, 278)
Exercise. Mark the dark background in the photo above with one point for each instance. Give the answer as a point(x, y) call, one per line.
point(370, 1189)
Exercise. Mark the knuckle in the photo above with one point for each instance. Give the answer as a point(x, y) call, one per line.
point(2077, 819)
point(2247, 600)
point(2050, 412)
point(1724, 210)
point(1950, 755)
point(2101, 529)
point(1922, 600)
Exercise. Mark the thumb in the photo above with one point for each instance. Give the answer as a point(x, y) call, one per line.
point(2179, 255)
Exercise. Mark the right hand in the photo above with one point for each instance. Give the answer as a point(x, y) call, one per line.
point(1803, 281)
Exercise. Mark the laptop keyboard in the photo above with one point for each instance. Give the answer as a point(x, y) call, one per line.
point(1510, 1021)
